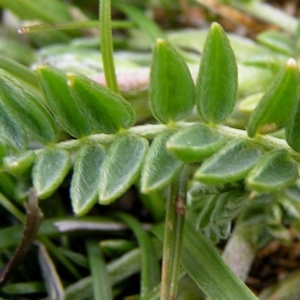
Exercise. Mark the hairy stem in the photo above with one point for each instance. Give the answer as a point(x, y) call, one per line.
point(150, 131)
point(173, 236)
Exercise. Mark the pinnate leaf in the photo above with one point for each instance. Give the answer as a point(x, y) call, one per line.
point(121, 167)
point(61, 103)
point(107, 111)
point(274, 171)
point(233, 162)
point(85, 180)
point(160, 166)
point(27, 111)
point(172, 88)
point(195, 143)
point(216, 88)
point(49, 170)
point(277, 104)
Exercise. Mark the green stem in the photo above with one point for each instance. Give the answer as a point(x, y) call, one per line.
point(173, 236)
point(71, 26)
point(150, 131)
point(9, 206)
point(107, 45)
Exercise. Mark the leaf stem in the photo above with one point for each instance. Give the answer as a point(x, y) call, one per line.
point(107, 44)
point(173, 236)
point(149, 131)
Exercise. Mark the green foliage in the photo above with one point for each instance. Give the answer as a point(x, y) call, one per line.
point(278, 102)
point(85, 180)
point(220, 169)
point(106, 111)
point(160, 166)
point(49, 170)
point(170, 100)
point(195, 143)
point(62, 132)
point(217, 80)
point(27, 111)
point(122, 167)
point(275, 171)
point(64, 108)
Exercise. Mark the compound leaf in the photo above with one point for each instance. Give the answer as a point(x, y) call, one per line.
point(121, 167)
point(85, 180)
point(107, 111)
point(276, 170)
point(233, 162)
point(195, 143)
point(216, 88)
point(172, 89)
point(49, 170)
point(160, 166)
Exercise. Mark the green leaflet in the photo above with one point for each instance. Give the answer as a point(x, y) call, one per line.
point(3, 151)
point(61, 103)
point(107, 111)
point(219, 210)
point(292, 132)
point(277, 41)
point(160, 166)
point(277, 104)
point(85, 180)
point(26, 110)
point(121, 167)
point(216, 88)
point(231, 163)
point(276, 170)
point(194, 143)
point(171, 88)
point(10, 132)
point(49, 170)
point(19, 163)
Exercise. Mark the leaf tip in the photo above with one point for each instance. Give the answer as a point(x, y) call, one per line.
point(160, 41)
point(291, 63)
point(216, 26)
